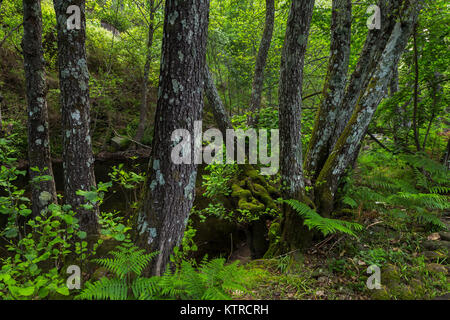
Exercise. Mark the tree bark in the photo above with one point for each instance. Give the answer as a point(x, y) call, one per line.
point(369, 59)
point(325, 135)
point(218, 109)
point(334, 87)
point(171, 190)
point(143, 109)
point(350, 140)
point(78, 160)
point(294, 234)
point(258, 79)
point(416, 92)
point(43, 191)
point(446, 158)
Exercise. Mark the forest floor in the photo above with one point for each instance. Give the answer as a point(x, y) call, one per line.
point(414, 265)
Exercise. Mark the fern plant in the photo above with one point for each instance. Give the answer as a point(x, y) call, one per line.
point(325, 225)
point(127, 265)
point(420, 189)
point(212, 280)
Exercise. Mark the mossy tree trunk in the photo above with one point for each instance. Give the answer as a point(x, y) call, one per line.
point(350, 140)
point(334, 87)
point(43, 191)
point(78, 159)
point(171, 187)
point(290, 104)
point(258, 78)
point(338, 103)
point(330, 156)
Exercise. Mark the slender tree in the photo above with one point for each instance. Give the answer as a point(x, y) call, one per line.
point(148, 59)
point(171, 186)
point(258, 79)
point(78, 159)
point(40, 164)
point(215, 102)
point(290, 104)
point(334, 87)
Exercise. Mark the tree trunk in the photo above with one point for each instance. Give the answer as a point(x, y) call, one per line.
point(143, 109)
point(43, 191)
point(78, 160)
point(258, 80)
point(416, 92)
point(290, 103)
point(446, 158)
point(334, 87)
point(171, 190)
point(350, 140)
point(218, 109)
point(324, 136)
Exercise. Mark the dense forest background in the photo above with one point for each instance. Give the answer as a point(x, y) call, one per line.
point(88, 191)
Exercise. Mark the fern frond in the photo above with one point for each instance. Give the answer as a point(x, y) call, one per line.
point(113, 289)
point(325, 225)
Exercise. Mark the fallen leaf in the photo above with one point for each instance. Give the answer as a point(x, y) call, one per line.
point(434, 236)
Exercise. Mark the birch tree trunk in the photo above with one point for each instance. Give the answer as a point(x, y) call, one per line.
point(171, 189)
point(78, 160)
point(43, 191)
point(258, 80)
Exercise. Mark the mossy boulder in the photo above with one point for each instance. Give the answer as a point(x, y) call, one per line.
point(392, 286)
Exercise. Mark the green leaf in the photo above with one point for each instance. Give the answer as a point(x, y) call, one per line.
point(63, 290)
point(28, 291)
point(82, 235)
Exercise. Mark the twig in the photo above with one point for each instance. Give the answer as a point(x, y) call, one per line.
point(378, 142)
point(9, 34)
point(371, 225)
point(129, 138)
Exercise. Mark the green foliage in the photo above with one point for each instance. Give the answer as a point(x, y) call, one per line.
point(32, 270)
point(218, 181)
point(325, 225)
point(211, 280)
point(127, 265)
point(419, 190)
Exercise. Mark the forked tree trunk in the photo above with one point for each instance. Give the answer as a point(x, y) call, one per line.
point(171, 187)
point(294, 233)
point(43, 190)
point(78, 160)
point(334, 87)
point(258, 79)
point(326, 133)
point(350, 140)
